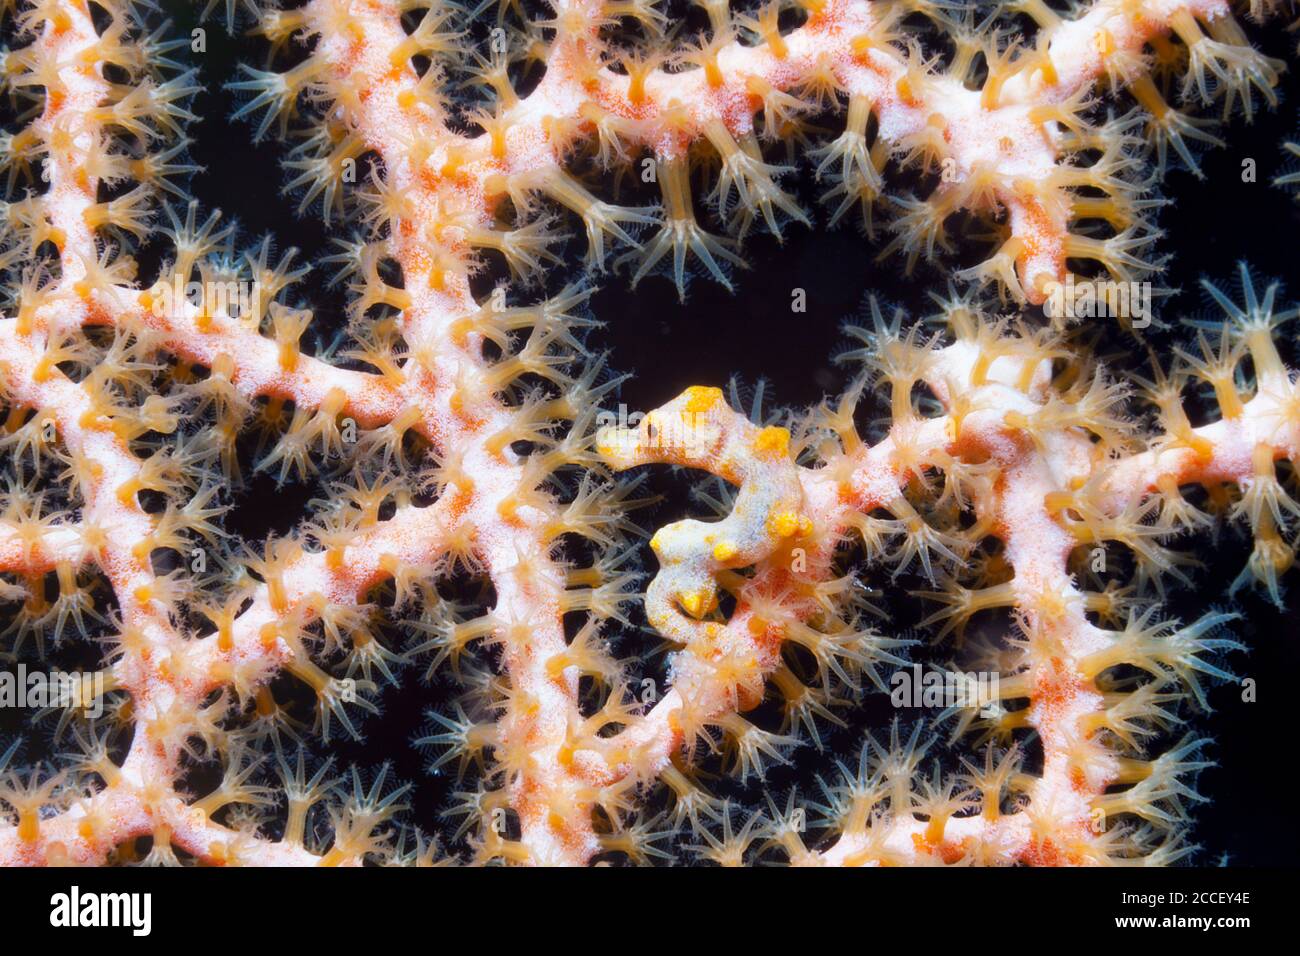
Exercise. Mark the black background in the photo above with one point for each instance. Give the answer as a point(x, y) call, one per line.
point(753, 334)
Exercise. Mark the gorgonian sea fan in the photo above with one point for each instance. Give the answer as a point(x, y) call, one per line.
point(462, 436)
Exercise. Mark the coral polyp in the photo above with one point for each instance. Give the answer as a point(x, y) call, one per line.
point(482, 498)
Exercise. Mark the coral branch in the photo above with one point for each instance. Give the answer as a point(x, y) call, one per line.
point(459, 440)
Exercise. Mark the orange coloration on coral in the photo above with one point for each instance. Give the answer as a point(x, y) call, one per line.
point(464, 438)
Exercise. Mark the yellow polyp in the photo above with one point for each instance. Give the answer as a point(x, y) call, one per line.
point(905, 90)
point(713, 73)
point(584, 577)
point(127, 491)
point(334, 402)
point(980, 370)
point(861, 45)
point(452, 164)
point(724, 551)
point(408, 417)
point(1016, 420)
point(693, 602)
point(29, 826)
point(268, 635)
point(1225, 392)
point(508, 508)
point(266, 705)
point(223, 366)
point(1057, 501)
point(1203, 447)
point(275, 594)
point(1103, 41)
point(858, 858)
point(225, 637)
point(1082, 532)
point(556, 821)
point(1148, 97)
point(1026, 377)
point(460, 330)
point(496, 445)
point(1263, 352)
point(145, 300)
point(406, 99)
point(86, 829)
point(438, 279)
point(756, 626)
point(934, 831)
point(700, 398)
point(203, 322)
point(1261, 458)
point(288, 356)
point(564, 756)
point(1273, 549)
point(140, 550)
point(772, 442)
point(636, 88)
point(1095, 207)
point(1049, 604)
point(143, 594)
point(785, 524)
point(334, 558)
point(556, 664)
point(1185, 25)
point(1048, 69)
point(656, 542)
point(334, 857)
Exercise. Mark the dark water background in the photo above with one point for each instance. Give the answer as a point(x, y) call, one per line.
point(753, 334)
